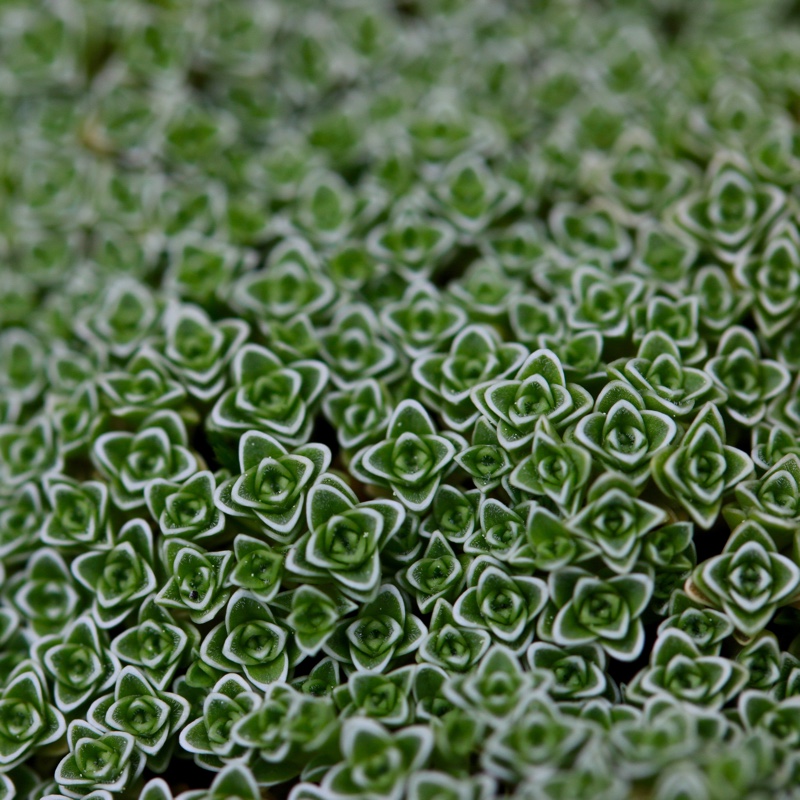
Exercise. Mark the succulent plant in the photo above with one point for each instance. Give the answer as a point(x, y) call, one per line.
point(448, 645)
point(208, 736)
point(79, 663)
point(27, 719)
point(439, 573)
point(579, 672)
point(677, 668)
point(623, 434)
point(601, 302)
point(475, 357)
point(268, 395)
point(98, 761)
point(186, 509)
point(248, 641)
point(589, 609)
point(120, 574)
point(747, 380)
point(383, 630)
point(556, 469)
point(158, 644)
point(197, 581)
point(273, 483)
point(699, 471)
point(422, 322)
point(731, 211)
point(486, 462)
point(354, 350)
point(360, 413)
point(345, 538)
point(146, 713)
point(616, 522)
point(659, 375)
point(28, 452)
point(748, 580)
point(79, 512)
point(377, 763)
point(399, 400)
point(505, 605)
point(770, 500)
point(309, 722)
point(46, 593)
point(141, 389)
point(129, 461)
point(197, 350)
point(539, 389)
point(412, 460)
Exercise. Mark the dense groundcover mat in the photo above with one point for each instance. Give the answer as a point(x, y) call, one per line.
point(399, 399)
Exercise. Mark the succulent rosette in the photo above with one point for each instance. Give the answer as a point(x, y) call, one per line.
point(412, 460)
point(129, 461)
point(266, 395)
point(616, 522)
point(46, 593)
point(623, 434)
point(556, 469)
point(197, 580)
point(677, 668)
point(771, 500)
point(748, 581)
point(505, 605)
point(475, 356)
point(79, 512)
point(662, 379)
point(601, 302)
point(590, 609)
point(98, 761)
point(345, 539)
point(119, 575)
point(273, 483)
point(376, 762)
point(186, 509)
point(748, 381)
point(360, 413)
point(384, 630)
point(354, 350)
point(149, 715)
point(197, 350)
point(248, 641)
point(702, 468)
point(27, 719)
point(539, 389)
point(79, 663)
point(310, 723)
point(731, 211)
point(208, 735)
point(158, 644)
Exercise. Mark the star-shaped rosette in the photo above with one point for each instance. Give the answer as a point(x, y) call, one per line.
point(273, 483)
point(270, 396)
point(249, 641)
point(749, 580)
point(27, 719)
point(588, 608)
point(344, 539)
point(702, 468)
point(623, 434)
point(413, 458)
point(538, 389)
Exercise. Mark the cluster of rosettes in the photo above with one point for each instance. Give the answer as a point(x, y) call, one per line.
point(399, 400)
